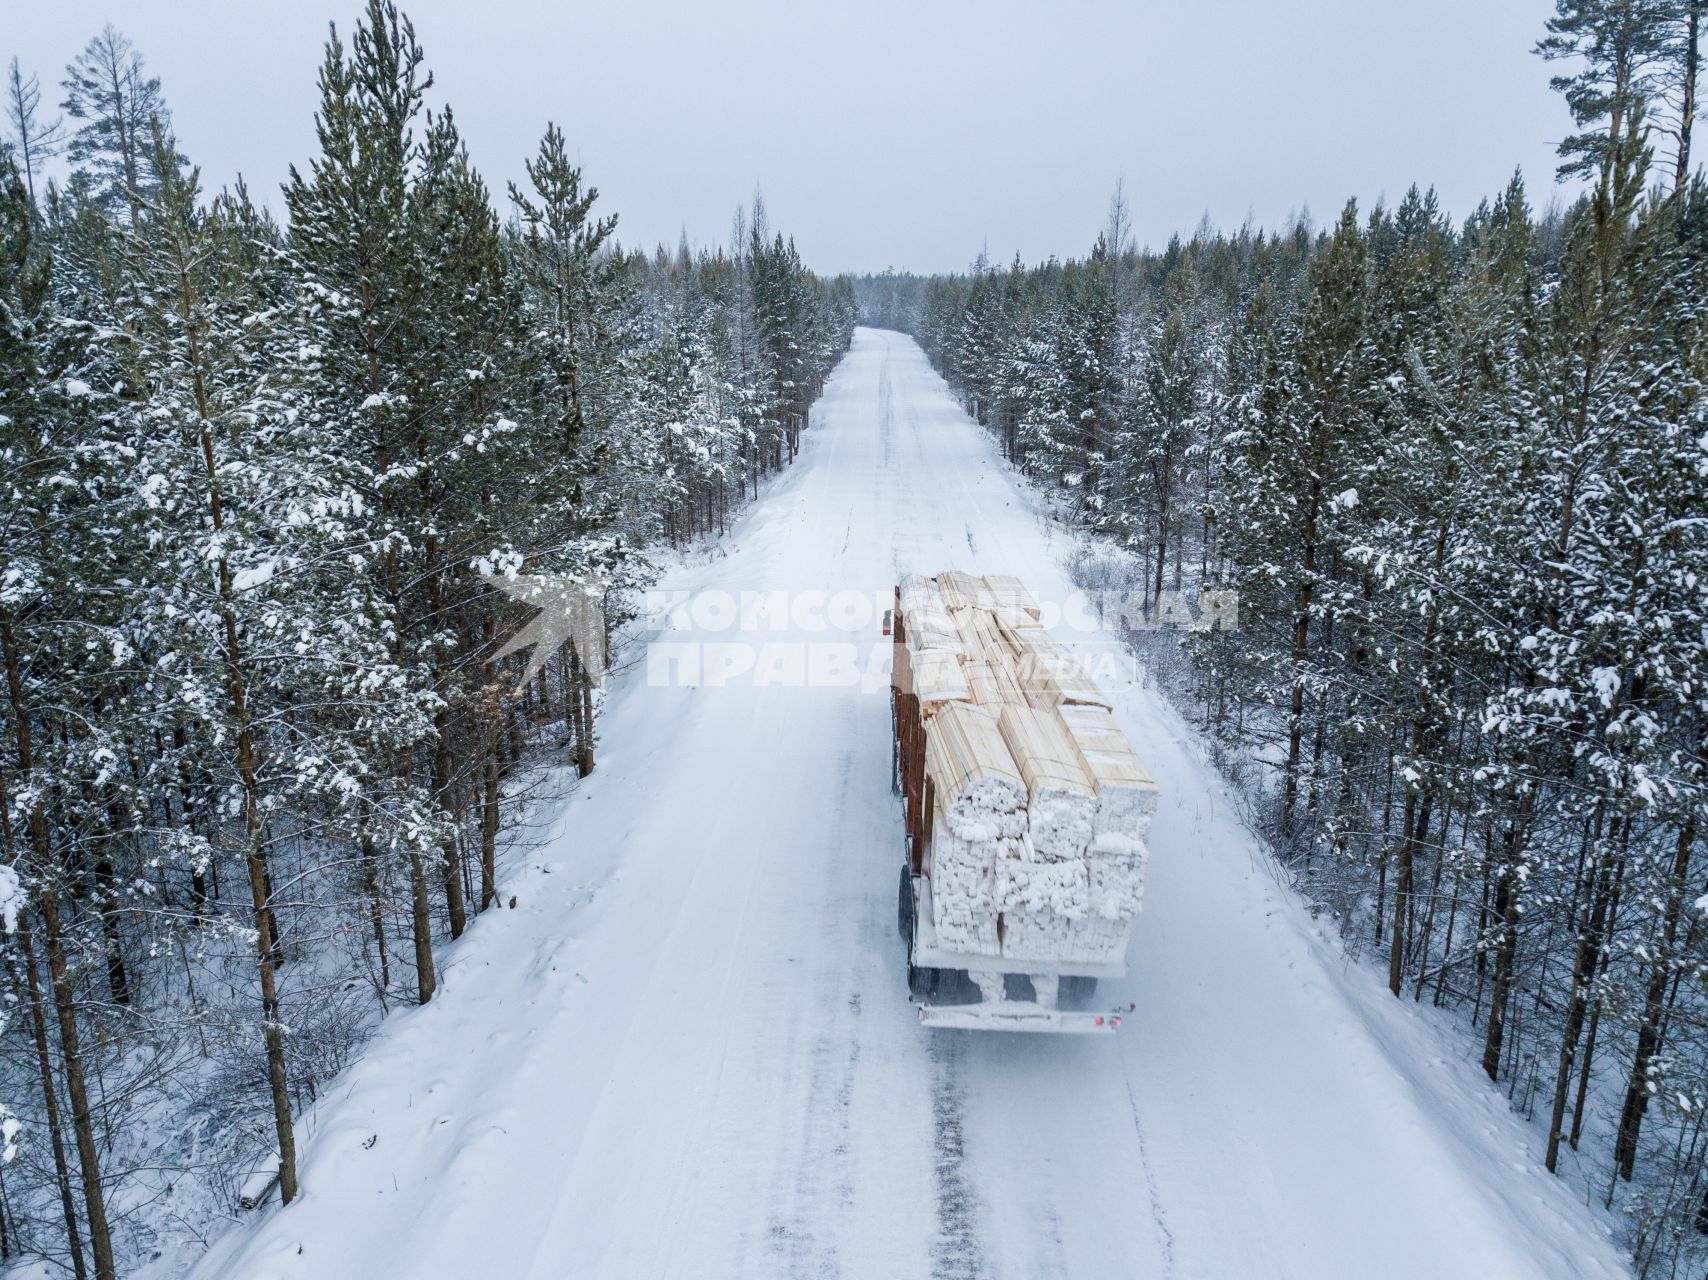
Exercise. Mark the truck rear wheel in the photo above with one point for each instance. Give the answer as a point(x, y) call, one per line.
point(921, 983)
point(1077, 990)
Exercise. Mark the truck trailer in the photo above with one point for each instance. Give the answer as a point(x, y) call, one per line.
point(1025, 808)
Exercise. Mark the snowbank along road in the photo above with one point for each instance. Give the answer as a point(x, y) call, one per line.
point(688, 1051)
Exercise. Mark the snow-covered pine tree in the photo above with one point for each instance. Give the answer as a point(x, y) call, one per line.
point(1163, 422)
point(52, 395)
point(365, 274)
point(253, 712)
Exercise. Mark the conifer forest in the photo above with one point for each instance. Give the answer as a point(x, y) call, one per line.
point(266, 458)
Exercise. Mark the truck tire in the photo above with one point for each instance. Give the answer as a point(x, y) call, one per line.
point(921, 983)
point(1077, 990)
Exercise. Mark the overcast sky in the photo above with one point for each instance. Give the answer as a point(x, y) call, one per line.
point(905, 133)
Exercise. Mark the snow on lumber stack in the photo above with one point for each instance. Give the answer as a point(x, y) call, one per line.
point(978, 787)
point(1039, 897)
point(1126, 792)
point(963, 889)
point(1126, 802)
point(1060, 800)
point(1045, 887)
point(1051, 932)
point(980, 812)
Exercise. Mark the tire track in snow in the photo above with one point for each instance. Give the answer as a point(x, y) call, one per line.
point(1159, 1218)
point(955, 1254)
point(886, 410)
point(814, 1192)
point(1057, 1265)
point(671, 1248)
point(797, 1214)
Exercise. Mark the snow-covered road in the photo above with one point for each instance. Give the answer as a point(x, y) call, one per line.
point(688, 1051)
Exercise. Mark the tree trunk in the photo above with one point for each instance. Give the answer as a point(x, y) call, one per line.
point(50, 1098)
point(583, 695)
point(1301, 639)
point(376, 916)
point(1402, 891)
point(450, 865)
point(1581, 1102)
point(1409, 833)
point(1687, 105)
point(1506, 912)
point(273, 1030)
point(489, 823)
point(46, 873)
point(188, 811)
point(71, 1054)
point(267, 941)
point(421, 913)
point(1163, 494)
point(1584, 962)
point(118, 981)
point(1649, 1029)
point(420, 909)
point(44, 1057)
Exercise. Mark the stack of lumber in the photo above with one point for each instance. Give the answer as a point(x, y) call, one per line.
point(939, 676)
point(1040, 808)
point(1061, 800)
point(1126, 801)
point(979, 813)
point(977, 785)
point(929, 624)
point(1050, 676)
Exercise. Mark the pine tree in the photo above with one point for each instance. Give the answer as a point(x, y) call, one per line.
point(46, 418)
point(354, 224)
point(1617, 44)
point(118, 107)
point(1165, 416)
point(214, 422)
point(1681, 69)
point(255, 712)
point(35, 140)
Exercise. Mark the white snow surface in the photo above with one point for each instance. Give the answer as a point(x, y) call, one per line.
point(688, 1051)
point(11, 898)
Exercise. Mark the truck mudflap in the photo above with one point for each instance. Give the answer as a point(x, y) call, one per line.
point(1018, 1016)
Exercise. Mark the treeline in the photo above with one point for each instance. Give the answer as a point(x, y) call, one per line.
point(258, 737)
point(1458, 476)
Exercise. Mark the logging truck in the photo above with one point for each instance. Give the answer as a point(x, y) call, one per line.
point(1025, 812)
